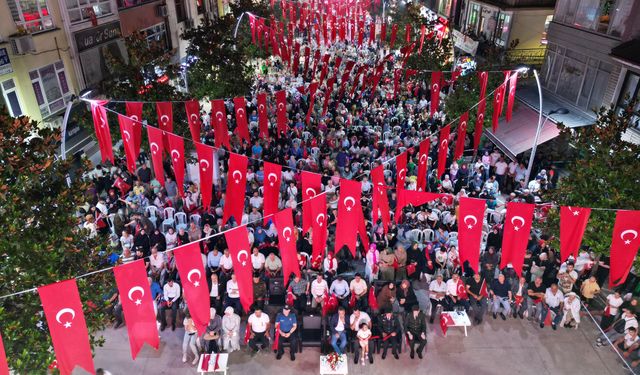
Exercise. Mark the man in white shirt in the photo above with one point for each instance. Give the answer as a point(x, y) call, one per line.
point(501, 172)
point(171, 297)
point(257, 260)
point(553, 299)
point(340, 288)
point(319, 288)
point(437, 293)
point(359, 288)
point(226, 264)
point(233, 295)
point(256, 201)
point(273, 265)
point(452, 292)
point(259, 327)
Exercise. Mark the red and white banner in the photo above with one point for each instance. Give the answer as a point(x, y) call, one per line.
point(349, 215)
point(436, 79)
point(401, 170)
point(236, 188)
point(462, 134)
point(126, 132)
point(407, 33)
point(443, 149)
point(483, 77)
point(311, 186)
point(319, 226)
point(263, 117)
point(238, 242)
point(498, 102)
point(313, 87)
point(423, 164)
point(137, 305)
point(517, 227)
point(271, 191)
point(192, 108)
point(134, 112)
point(287, 236)
point(240, 107)
point(164, 110)
point(380, 201)
point(281, 111)
point(625, 242)
point(65, 319)
point(477, 131)
point(470, 219)
point(513, 79)
point(176, 147)
point(194, 283)
point(394, 32)
point(220, 127)
point(573, 222)
point(205, 166)
point(156, 147)
point(103, 134)
point(414, 198)
point(423, 31)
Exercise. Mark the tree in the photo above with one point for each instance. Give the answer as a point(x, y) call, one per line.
point(40, 241)
point(602, 172)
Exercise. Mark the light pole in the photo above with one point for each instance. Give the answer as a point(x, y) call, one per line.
point(561, 111)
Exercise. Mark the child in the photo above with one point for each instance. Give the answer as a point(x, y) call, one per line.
point(364, 333)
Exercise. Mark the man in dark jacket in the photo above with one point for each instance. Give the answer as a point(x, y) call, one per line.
point(416, 328)
point(390, 328)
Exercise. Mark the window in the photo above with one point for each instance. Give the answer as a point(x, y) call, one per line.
point(80, 10)
point(474, 19)
point(200, 5)
point(630, 90)
point(547, 21)
point(502, 30)
point(31, 16)
point(603, 16)
point(181, 13)
point(157, 36)
point(51, 88)
point(444, 8)
point(10, 95)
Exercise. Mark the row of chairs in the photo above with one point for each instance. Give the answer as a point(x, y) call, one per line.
point(169, 219)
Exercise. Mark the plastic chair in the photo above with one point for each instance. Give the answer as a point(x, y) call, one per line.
point(428, 234)
point(195, 218)
point(168, 214)
point(111, 223)
point(152, 214)
point(181, 220)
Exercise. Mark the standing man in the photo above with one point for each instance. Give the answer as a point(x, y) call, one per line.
point(286, 324)
point(416, 329)
point(477, 300)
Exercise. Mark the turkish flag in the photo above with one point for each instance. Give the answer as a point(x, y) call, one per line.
point(396, 81)
point(205, 166)
point(259, 30)
point(517, 227)
point(156, 147)
point(164, 111)
point(63, 310)
point(461, 290)
point(327, 95)
point(192, 108)
point(281, 100)
point(194, 283)
point(373, 301)
point(483, 78)
point(252, 24)
point(126, 132)
point(443, 149)
point(263, 117)
point(319, 226)
point(176, 145)
point(240, 106)
point(401, 170)
point(624, 245)
point(238, 242)
point(271, 191)
point(423, 31)
point(407, 32)
point(436, 78)
point(380, 201)
point(296, 59)
point(4, 366)
point(498, 101)
point(462, 133)
point(137, 305)
point(445, 322)
point(134, 112)
point(307, 56)
point(513, 79)
point(394, 32)
point(287, 237)
point(236, 188)
point(383, 32)
point(313, 87)
point(311, 186)
point(103, 134)
point(573, 222)
point(349, 214)
point(483, 289)
point(470, 219)
point(372, 32)
point(477, 135)
point(414, 198)
point(220, 127)
point(548, 320)
point(316, 61)
point(423, 164)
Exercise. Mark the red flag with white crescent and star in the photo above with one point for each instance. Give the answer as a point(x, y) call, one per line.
point(67, 326)
point(263, 117)
point(313, 87)
point(236, 188)
point(573, 222)
point(423, 164)
point(240, 107)
point(470, 219)
point(423, 31)
point(134, 111)
point(513, 79)
point(462, 134)
point(126, 132)
point(461, 290)
point(414, 198)
point(380, 201)
point(401, 170)
point(238, 242)
point(164, 110)
point(394, 32)
point(221, 129)
point(349, 215)
point(252, 24)
point(271, 190)
point(156, 147)
point(103, 134)
point(407, 32)
point(436, 79)
point(281, 111)
point(176, 147)
point(194, 283)
point(192, 108)
point(483, 78)
point(498, 101)
point(319, 226)
point(311, 186)
point(484, 292)
point(477, 131)
point(383, 32)
point(137, 305)
point(443, 149)
point(205, 167)
point(624, 245)
point(287, 236)
point(517, 227)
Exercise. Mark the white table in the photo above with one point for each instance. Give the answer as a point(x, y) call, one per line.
point(207, 367)
point(342, 367)
point(458, 319)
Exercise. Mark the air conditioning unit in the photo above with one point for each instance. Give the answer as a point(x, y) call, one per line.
point(161, 11)
point(22, 45)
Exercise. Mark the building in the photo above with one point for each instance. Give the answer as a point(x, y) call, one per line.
point(592, 57)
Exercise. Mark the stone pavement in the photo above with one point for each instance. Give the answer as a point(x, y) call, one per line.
point(496, 347)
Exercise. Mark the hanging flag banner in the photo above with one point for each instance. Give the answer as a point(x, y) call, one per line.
point(517, 227)
point(319, 226)
point(103, 134)
point(462, 134)
point(134, 112)
point(414, 198)
point(311, 186)
point(176, 146)
point(164, 110)
point(281, 100)
point(436, 78)
point(287, 236)
point(240, 107)
point(156, 146)
point(423, 163)
point(513, 79)
point(205, 166)
point(272, 180)
point(470, 220)
point(238, 243)
point(236, 188)
point(192, 108)
point(443, 149)
point(128, 143)
point(625, 242)
point(401, 170)
point(221, 129)
point(349, 214)
point(194, 283)
point(263, 118)
point(380, 200)
point(573, 222)
point(477, 131)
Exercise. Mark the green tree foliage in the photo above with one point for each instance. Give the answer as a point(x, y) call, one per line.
point(602, 171)
point(40, 241)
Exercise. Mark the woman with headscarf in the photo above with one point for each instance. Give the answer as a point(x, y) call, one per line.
point(401, 256)
point(406, 296)
point(416, 260)
point(386, 297)
point(230, 330)
point(387, 260)
point(371, 267)
point(212, 332)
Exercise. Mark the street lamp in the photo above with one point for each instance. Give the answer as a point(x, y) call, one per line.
point(559, 111)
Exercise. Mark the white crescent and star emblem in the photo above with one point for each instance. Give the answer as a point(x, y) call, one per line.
point(402, 174)
point(219, 115)
point(349, 199)
point(498, 96)
point(102, 122)
point(475, 221)
point(481, 118)
point(463, 126)
point(164, 119)
point(628, 231)
point(193, 272)
point(127, 135)
point(261, 108)
point(240, 112)
point(435, 87)
point(444, 144)
point(204, 165)
point(517, 218)
point(134, 118)
point(284, 234)
point(66, 310)
point(138, 301)
point(423, 159)
point(194, 118)
point(281, 107)
point(156, 149)
point(176, 155)
point(246, 256)
point(575, 213)
point(311, 192)
point(275, 179)
point(236, 179)
point(320, 219)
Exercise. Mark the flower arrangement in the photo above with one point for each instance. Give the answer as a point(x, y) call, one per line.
point(333, 359)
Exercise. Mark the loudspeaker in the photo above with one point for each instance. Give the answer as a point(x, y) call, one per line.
point(311, 329)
